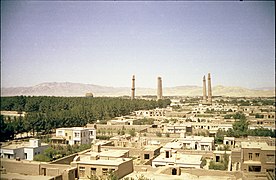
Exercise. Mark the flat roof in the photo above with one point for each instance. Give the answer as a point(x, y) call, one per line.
point(197, 138)
point(261, 145)
point(102, 162)
point(76, 128)
point(179, 158)
point(252, 162)
point(173, 145)
point(108, 153)
point(222, 152)
point(102, 142)
point(151, 148)
point(21, 176)
point(21, 145)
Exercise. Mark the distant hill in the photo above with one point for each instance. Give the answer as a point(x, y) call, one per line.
point(78, 89)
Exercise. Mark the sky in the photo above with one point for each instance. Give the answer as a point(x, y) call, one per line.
point(105, 43)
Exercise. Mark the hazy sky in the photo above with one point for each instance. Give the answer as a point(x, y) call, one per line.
point(104, 43)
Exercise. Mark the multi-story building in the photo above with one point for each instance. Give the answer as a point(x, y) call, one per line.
point(97, 163)
point(24, 150)
point(253, 157)
point(257, 157)
point(74, 135)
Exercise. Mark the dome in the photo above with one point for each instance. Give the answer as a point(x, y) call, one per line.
point(89, 94)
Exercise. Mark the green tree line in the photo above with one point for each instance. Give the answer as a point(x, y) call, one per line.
point(46, 113)
point(241, 129)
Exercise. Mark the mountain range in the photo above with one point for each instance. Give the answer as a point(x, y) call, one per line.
point(79, 89)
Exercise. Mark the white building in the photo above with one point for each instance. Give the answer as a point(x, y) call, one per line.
point(24, 150)
point(185, 127)
point(229, 141)
point(173, 158)
point(176, 128)
point(74, 135)
point(153, 113)
point(198, 143)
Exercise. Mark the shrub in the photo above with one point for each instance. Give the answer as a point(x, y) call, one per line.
point(158, 134)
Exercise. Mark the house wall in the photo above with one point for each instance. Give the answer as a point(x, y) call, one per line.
point(125, 168)
point(65, 160)
point(69, 136)
point(13, 153)
point(263, 160)
point(21, 167)
point(59, 171)
point(268, 160)
point(30, 153)
point(132, 151)
point(87, 170)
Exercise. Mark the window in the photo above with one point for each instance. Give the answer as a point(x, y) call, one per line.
point(270, 170)
point(250, 156)
point(270, 158)
point(59, 133)
point(77, 134)
point(93, 171)
point(82, 171)
point(146, 156)
point(65, 134)
point(254, 168)
point(257, 155)
point(167, 154)
point(104, 171)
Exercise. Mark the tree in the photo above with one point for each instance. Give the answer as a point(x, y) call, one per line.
point(240, 127)
point(45, 114)
point(158, 134)
point(219, 136)
point(132, 132)
point(7, 129)
point(41, 157)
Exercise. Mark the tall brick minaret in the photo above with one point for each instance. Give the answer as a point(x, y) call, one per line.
point(159, 88)
point(133, 88)
point(204, 100)
point(209, 89)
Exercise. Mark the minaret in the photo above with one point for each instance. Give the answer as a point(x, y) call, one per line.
point(133, 88)
point(204, 100)
point(159, 88)
point(209, 89)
